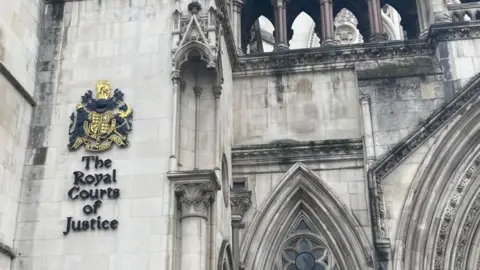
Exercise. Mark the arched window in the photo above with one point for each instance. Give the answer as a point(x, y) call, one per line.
point(225, 181)
point(301, 27)
point(392, 23)
point(305, 251)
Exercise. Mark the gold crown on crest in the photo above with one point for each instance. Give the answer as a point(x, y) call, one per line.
point(103, 89)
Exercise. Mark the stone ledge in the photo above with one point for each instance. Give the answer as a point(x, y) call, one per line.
point(327, 57)
point(16, 84)
point(7, 250)
point(195, 176)
point(406, 67)
point(293, 151)
point(463, 6)
point(453, 31)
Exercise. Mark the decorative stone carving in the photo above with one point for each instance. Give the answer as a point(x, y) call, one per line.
point(240, 202)
point(194, 199)
point(448, 217)
point(196, 30)
point(217, 91)
point(297, 151)
point(195, 191)
point(466, 233)
point(227, 31)
point(346, 31)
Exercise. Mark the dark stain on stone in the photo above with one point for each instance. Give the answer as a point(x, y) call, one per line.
point(304, 90)
point(279, 87)
point(265, 97)
point(40, 156)
point(58, 10)
point(38, 136)
point(99, 2)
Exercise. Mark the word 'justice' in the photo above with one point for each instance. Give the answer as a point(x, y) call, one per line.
point(95, 187)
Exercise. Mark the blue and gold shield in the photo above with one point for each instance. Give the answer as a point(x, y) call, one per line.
point(100, 122)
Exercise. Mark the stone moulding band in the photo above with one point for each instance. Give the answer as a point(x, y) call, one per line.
point(16, 84)
point(7, 250)
point(297, 151)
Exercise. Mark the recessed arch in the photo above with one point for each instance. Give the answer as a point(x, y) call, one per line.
point(301, 34)
point(225, 257)
point(431, 228)
point(251, 11)
point(410, 15)
point(301, 191)
point(391, 20)
point(195, 49)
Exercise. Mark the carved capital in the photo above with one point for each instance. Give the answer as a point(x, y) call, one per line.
point(238, 3)
point(364, 98)
point(383, 249)
point(198, 91)
point(240, 203)
point(175, 76)
point(194, 199)
point(217, 91)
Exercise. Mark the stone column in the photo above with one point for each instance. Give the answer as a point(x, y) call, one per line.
point(198, 92)
point(280, 32)
point(237, 24)
point(217, 92)
point(369, 142)
point(326, 15)
point(375, 18)
point(194, 200)
point(173, 161)
point(240, 202)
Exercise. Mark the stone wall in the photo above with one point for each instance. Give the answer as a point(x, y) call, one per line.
point(125, 42)
point(460, 60)
point(19, 39)
point(397, 185)
point(15, 115)
point(399, 105)
point(303, 106)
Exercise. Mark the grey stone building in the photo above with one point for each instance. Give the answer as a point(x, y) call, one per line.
point(239, 134)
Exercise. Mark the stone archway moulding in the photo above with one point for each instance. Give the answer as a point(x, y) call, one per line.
point(301, 190)
point(225, 257)
point(439, 214)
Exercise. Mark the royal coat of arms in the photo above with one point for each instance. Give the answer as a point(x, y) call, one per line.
point(99, 122)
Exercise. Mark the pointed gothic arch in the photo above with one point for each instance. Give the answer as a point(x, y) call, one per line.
point(441, 214)
point(225, 257)
point(301, 193)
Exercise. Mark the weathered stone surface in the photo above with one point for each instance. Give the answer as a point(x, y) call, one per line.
point(344, 137)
